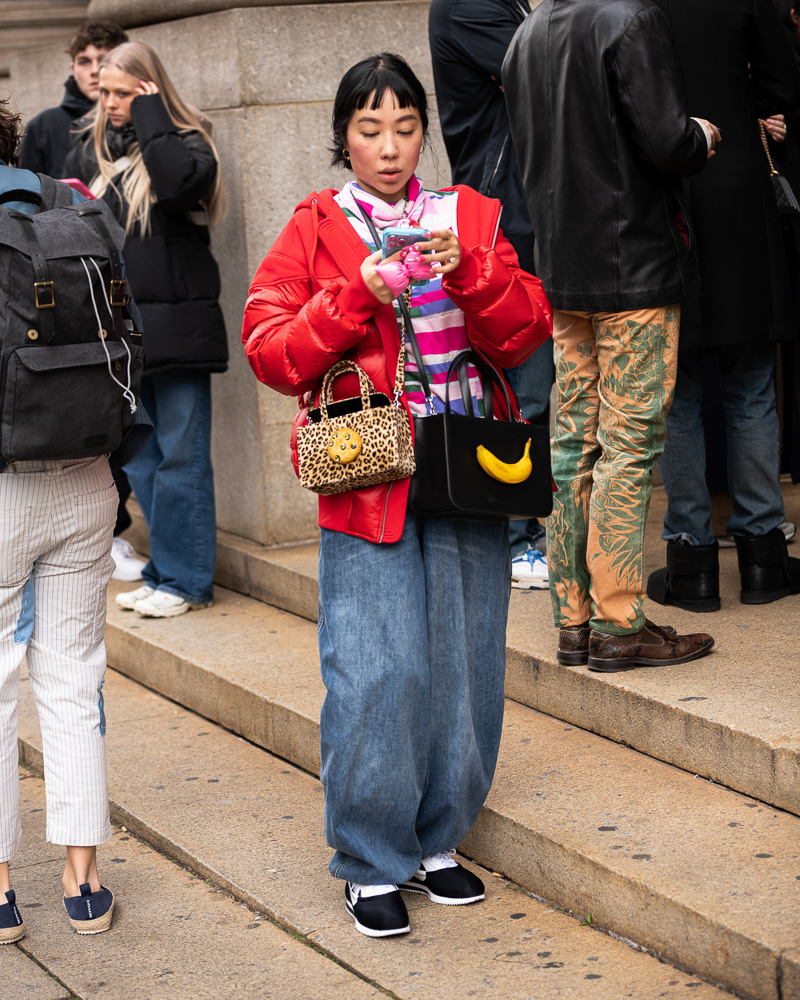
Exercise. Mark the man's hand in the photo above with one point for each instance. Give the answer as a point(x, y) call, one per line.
point(713, 132)
point(776, 127)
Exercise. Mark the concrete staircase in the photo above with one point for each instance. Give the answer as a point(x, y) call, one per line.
point(664, 803)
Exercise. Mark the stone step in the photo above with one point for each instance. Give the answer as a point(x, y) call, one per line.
point(251, 824)
point(165, 920)
point(731, 717)
point(698, 873)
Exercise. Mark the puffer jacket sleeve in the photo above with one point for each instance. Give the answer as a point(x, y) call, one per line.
point(292, 333)
point(181, 165)
point(508, 313)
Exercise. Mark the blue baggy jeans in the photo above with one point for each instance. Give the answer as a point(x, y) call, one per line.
point(412, 651)
point(173, 480)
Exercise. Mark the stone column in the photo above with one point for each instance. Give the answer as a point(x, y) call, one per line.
point(266, 76)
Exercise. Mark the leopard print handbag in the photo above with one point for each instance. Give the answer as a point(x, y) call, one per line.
point(356, 442)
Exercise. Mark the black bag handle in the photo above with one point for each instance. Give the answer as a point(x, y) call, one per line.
point(489, 375)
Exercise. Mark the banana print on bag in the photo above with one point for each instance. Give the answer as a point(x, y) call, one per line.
point(615, 374)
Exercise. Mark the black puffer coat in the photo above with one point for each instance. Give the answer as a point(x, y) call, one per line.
point(172, 274)
point(47, 136)
point(738, 64)
point(601, 127)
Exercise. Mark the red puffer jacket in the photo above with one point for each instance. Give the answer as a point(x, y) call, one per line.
point(308, 306)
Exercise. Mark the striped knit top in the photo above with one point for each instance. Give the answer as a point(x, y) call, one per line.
point(439, 324)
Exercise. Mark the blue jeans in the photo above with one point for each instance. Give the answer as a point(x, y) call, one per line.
point(532, 382)
point(173, 481)
point(751, 423)
point(412, 651)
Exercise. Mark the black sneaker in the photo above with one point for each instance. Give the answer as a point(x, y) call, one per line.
point(378, 910)
point(12, 927)
point(444, 880)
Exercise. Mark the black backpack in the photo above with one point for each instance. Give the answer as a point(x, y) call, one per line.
point(70, 360)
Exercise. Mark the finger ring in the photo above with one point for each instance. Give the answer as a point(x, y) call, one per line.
point(452, 260)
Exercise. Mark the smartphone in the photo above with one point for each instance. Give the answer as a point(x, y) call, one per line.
point(397, 237)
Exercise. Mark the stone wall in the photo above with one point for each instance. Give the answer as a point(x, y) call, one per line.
point(266, 76)
point(35, 23)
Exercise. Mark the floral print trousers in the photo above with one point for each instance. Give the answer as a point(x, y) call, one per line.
point(615, 378)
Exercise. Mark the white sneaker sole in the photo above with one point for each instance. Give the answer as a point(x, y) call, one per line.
point(530, 584)
point(376, 934)
point(443, 900)
point(181, 609)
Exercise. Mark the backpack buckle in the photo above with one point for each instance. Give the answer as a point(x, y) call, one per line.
point(119, 296)
point(41, 288)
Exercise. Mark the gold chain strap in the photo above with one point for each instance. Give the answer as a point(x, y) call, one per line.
point(772, 171)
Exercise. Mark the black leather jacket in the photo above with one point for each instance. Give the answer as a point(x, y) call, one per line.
point(601, 127)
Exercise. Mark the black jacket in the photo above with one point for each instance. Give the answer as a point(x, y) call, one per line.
point(745, 73)
point(469, 40)
point(601, 126)
point(172, 274)
point(47, 136)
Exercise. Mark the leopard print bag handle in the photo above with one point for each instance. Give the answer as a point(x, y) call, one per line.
point(364, 446)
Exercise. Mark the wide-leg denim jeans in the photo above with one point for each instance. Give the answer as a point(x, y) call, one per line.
point(753, 434)
point(412, 650)
point(173, 480)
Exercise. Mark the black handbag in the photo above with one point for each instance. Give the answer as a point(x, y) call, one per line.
point(460, 457)
point(784, 194)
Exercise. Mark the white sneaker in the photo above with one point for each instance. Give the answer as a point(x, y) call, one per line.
point(131, 598)
point(127, 566)
point(529, 571)
point(160, 604)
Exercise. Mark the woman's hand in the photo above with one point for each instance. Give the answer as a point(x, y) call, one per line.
point(776, 127)
point(446, 251)
point(146, 87)
point(373, 280)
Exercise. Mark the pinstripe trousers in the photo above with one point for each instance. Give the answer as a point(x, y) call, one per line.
point(56, 526)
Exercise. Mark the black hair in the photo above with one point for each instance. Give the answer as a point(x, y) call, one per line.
point(102, 34)
point(784, 9)
point(10, 129)
point(372, 77)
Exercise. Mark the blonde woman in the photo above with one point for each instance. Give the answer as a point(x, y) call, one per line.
point(151, 157)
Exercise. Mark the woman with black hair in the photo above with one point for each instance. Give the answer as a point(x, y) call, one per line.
point(413, 609)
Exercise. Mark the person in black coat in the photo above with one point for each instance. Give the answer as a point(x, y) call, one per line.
point(47, 138)
point(151, 157)
point(749, 73)
point(469, 40)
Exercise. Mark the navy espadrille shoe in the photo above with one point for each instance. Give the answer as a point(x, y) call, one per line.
point(12, 926)
point(443, 880)
point(90, 913)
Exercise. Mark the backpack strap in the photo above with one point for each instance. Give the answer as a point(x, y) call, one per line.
point(43, 288)
point(118, 297)
point(21, 194)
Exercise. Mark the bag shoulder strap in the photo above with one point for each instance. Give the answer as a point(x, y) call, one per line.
point(408, 331)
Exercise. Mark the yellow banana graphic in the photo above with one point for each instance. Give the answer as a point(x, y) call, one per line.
point(505, 473)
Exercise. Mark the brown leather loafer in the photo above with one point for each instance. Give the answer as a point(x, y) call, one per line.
point(573, 645)
point(573, 642)
point(654, 646)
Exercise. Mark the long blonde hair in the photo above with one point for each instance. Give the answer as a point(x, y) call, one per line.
point(143, 63)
